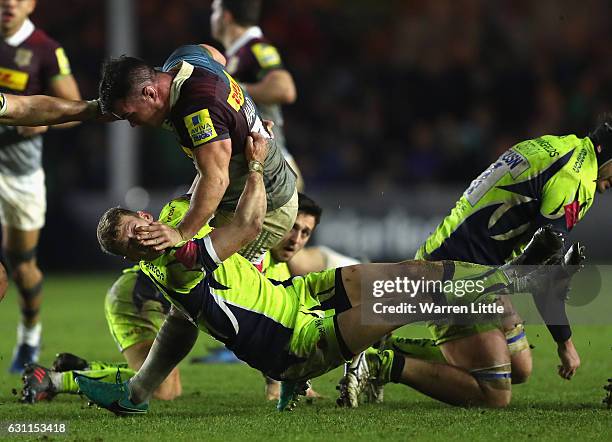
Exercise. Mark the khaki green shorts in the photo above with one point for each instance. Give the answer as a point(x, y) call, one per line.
point(129, 325)
point(314, 339)
point(442, 333)
point(276, 225)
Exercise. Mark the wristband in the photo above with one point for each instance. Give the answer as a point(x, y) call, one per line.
point(256, 166)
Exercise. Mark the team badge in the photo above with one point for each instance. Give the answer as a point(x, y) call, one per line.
point(267, 56)
point(23, 57)
point(200, 127)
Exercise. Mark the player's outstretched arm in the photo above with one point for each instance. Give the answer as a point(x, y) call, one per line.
point(251, 210)
point(44, 110)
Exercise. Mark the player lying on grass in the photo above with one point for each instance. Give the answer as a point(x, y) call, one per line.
point(547, 180)
point(135, 310)
point(291, 331)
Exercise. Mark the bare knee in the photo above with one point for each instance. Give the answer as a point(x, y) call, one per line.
point(26, 273)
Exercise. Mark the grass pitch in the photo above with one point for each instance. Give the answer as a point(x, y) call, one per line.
point(225, 402)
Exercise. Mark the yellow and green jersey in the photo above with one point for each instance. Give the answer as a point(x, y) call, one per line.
point(230, 300)
point(272, 269)
point(546, 180)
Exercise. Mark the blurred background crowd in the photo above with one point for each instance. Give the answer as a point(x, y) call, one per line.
point(393, 95)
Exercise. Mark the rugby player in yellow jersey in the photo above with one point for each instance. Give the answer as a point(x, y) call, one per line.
point(291, 331)
point(135, 310)
point(546, 180)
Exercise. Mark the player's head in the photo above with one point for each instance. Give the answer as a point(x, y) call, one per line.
point(226, 13)
point(117, 236)
point(129, 89)
point(14, 13)
point(308, 217)
point(601, 137)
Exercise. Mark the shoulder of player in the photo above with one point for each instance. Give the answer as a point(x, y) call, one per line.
point(264, 52)
point(203, 89)
point(40, 38)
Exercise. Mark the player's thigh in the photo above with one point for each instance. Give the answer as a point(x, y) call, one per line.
point(359, 280)
point(477, 351)
point(19, 241)
point(22, 209)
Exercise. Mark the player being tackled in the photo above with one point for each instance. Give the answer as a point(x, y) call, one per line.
point(291, 331)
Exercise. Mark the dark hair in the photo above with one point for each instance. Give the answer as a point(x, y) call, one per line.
point(602, 136)
point(245, 12)
point(120, 77)
point(309, 207)
point(108, 230)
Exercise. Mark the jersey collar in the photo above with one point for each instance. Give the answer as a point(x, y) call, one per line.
point(181, 76)
point(22, 34)
point(249, 34)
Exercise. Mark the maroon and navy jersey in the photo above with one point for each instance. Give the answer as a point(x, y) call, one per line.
point(249, 59)
point(28, 68)
point(252, 61)
point(29, 60)
point(208, 105)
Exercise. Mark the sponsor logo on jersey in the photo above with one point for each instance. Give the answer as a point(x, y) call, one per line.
point(546, 146)
point(236, 97)
point(15, 80)
point(62, 62)
point(510, 162)
point(579, 160)
point(200, 127)
point(267, 56)
point(23, 57)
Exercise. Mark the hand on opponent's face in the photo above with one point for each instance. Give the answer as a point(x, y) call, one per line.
point(158, 236)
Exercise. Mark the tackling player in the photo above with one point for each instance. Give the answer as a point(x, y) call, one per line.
point(30, 63)
point(291, 331)
point(547, 180)
point(256, 63)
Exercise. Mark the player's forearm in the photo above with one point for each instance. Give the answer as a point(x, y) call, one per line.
point(43, 110)
point(175, 339)
point(251, 208)
point(275, 88)
point(207, 194)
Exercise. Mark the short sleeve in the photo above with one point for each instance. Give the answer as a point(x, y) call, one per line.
point(197, 127)
point(55, 63)
point(267, 57)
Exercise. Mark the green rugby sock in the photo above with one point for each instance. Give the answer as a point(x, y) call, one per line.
point(471, 281)
point(421, 348)
point(100, 365)
point(109, 374)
